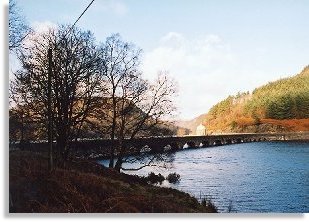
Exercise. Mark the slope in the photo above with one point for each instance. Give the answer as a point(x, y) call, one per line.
point(278, 106)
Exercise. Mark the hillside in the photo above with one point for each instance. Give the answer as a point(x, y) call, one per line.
point(24, 125)
point(283, 99)
point(87, 187)
point(191, 124)
point(279, 106)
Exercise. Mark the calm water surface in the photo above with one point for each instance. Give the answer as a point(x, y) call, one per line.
point(251, 177)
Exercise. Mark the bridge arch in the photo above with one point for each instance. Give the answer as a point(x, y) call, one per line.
point(205, 143)
point(217, 142)
point(191, 144)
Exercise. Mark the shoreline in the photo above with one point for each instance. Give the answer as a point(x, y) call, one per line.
point(87, 187)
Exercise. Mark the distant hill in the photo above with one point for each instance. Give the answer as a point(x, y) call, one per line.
point(278, 106)
point(191, 124)
point(25, 126)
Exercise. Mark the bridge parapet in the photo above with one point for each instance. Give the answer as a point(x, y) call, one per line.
point(101, 147)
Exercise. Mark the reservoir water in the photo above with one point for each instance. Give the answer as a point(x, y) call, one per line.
point(250, 177)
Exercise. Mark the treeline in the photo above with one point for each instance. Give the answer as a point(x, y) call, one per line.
point(226, 106)
point(280, 100)
point(283, 99)
point(289, 107)
point(221, 107)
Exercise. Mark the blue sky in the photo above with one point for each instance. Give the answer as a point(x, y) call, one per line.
point(212, 47)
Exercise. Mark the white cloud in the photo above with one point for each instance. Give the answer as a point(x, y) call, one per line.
point(173, 40)
point(115, 6)
point(205, 68)
point(118, 7)
point(41, 27)
point(38, 28)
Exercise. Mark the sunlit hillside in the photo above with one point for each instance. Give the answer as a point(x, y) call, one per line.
point(279, 106)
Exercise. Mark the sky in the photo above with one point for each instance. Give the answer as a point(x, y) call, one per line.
point(213, 48)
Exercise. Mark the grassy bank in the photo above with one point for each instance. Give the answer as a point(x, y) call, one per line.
point(85, 186)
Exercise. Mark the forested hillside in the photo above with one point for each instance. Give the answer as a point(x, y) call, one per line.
point(282, 105)
point(283, 99)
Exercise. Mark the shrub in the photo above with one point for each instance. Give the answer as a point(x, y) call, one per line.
point(155, 178)
point(209, 204)
point(173, 178)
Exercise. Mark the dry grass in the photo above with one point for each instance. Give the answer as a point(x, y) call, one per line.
point(88, 187)
point(247, 124)
point(288, 125)
point(245, 121)
point(293, 125)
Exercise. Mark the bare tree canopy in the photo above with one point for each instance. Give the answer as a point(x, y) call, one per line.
point(155, 104)
point(93, 87)
point(18, 29)
point(134, 106)
point(75, 80)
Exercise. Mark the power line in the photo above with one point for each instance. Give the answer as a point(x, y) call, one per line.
point(83, 12)
point(80, 16)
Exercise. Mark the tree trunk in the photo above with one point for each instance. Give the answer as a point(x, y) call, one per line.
point(119, 161)
point(118, 164)
point(62, 148)
point(112, 157)
point(112, 153)
point(50, 114)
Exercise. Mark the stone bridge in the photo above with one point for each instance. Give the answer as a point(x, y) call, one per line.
point(99, 148)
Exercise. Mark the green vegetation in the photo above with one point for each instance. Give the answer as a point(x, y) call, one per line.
point(283, 99)
point(281, 105)
point(224, 106)
point(84, 186)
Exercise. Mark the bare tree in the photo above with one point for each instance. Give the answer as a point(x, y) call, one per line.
point(154, 105)
point(119, 61)
point(75, 80)
point(133, 106)
point(18, 29)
